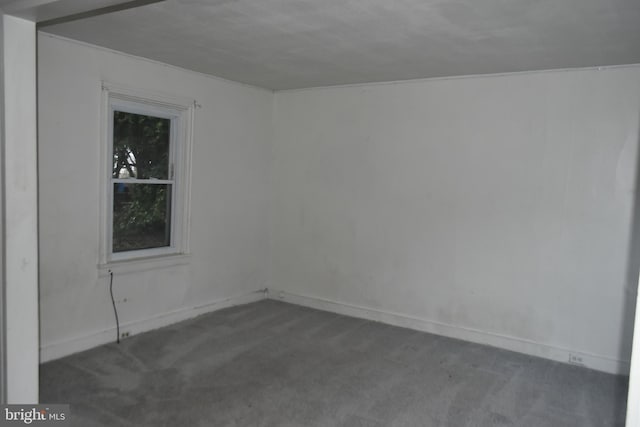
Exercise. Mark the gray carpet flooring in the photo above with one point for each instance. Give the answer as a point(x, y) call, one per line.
point(276, 364)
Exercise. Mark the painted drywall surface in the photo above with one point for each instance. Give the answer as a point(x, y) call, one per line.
point(501, 204)
point(20, 203)
point(229, 193)
point(404, 198)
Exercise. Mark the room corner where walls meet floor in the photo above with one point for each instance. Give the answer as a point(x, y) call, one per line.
point(66, 348)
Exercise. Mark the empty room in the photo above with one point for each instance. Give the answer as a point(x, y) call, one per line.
point(320, 213)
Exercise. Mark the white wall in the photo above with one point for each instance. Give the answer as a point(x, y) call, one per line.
point(633, 410)
point(496, 209)
point(20, 222)
point(229, 201)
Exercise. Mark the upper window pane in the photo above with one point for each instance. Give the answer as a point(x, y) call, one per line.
point(140, 146)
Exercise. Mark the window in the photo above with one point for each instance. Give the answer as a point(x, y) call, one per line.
point(145, 175)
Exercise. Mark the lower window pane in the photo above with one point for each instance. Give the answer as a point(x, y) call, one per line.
point(141, 216)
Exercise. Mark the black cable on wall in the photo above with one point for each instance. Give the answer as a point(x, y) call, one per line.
point(115, 310)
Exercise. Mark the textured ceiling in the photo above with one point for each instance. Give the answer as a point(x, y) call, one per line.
point(285, 44)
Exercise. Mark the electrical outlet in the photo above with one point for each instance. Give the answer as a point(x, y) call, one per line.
point(124, 335)
point(281, 295)
point(575, 359)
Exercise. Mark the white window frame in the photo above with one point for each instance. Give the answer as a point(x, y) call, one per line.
point(180, 111)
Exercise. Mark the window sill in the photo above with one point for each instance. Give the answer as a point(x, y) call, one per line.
point(143, 264)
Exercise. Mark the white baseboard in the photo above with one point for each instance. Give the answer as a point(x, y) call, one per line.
point(559, 354)
point(66, 347)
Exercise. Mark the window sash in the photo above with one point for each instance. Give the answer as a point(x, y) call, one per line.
point(150, 110)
